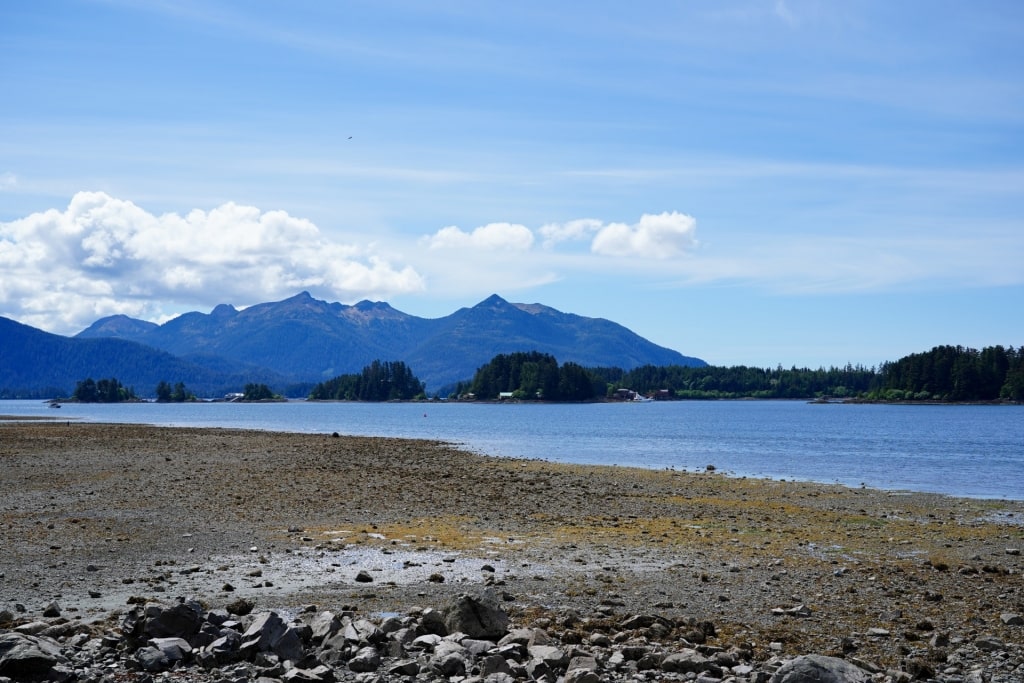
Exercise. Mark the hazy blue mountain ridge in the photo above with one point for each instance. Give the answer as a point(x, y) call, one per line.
point(302, 339)
point(32, 360)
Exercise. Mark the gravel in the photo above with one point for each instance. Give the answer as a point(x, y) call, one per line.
point(95, 518)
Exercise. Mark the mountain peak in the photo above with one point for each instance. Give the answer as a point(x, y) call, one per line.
point(223, 311)
point(493, 301)
point(119, 326)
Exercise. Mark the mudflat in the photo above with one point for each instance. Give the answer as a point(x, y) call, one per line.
point(97, 516)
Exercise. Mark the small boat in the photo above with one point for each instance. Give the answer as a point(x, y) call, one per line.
point(54, 404)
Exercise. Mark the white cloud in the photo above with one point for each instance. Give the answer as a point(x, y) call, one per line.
point(582, 228)
point(658, 236)
point(103, 255)
point(490, 237)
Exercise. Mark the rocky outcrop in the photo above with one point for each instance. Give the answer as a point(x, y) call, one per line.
point(818, 669)
point(26, 657)
point(471, 639)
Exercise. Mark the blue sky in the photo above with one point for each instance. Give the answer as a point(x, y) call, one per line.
point(750, 182)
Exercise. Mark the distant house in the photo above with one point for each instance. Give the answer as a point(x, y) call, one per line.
point(505, 395)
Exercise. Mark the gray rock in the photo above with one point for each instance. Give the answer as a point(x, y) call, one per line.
point(318, 675)
point(476, 617)
point(32, 628)
point(175, 649)
point(521, 636)
point(324, 625)
point(819, 669)
point(152, 659)
point(500, 677)
point(223, 650)
point(52, 611)
point(582, 662)
point(494, 664)
point(180, 621)
point(637, 621)
point(431, 621)
point(289, 646)
point(989, 643)
point(554, 657)
point(686, 661)
point(405, 667)
point(365, 660)
point(475, 647)
point(538, 670)
point(1011, 619)
point(581, 676)
point(23, 657)
point(450, 659)
point(364, 632)
point(426, 642)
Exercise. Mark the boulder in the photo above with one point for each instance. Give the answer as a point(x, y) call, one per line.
point(324, 626)
point(366, 659)
point(405, 667)
point(180, 621)
point(581, 676)
point(819, 669)
point(175, 649)
point(450, 659)
point(476, 617)
point(554, 657)
point(25, 657)
point(686, 661)
point(152, 659)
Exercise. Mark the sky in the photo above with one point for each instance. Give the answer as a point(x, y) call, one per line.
point(758, 182)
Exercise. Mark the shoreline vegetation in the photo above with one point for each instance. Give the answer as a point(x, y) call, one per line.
point(100, 517)
point(946, 374)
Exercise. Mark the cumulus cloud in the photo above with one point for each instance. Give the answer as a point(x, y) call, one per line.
point(102, 255)
point(583, 228)
point(490, 237)
point(657, 236)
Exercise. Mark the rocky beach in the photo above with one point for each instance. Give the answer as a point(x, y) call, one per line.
point(137, 553)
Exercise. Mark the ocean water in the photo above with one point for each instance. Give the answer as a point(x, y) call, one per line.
point(974, 451)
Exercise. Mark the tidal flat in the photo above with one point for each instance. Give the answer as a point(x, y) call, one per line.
point(96, 517)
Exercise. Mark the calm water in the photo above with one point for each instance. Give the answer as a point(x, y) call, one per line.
point(975, 451)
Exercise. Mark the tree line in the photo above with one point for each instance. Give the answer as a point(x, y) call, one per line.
point(533, 376)
point(741, 381)
point(379, 381)
point(103, 391)
point(945, 373)
point(955, 373)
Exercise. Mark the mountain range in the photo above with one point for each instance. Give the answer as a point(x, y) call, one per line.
point(302, 341)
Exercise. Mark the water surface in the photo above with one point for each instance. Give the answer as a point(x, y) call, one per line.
point(975, 451)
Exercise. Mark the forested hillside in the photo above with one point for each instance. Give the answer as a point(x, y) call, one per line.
point(946, 373)
point(379, 381)
point(955, 373)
